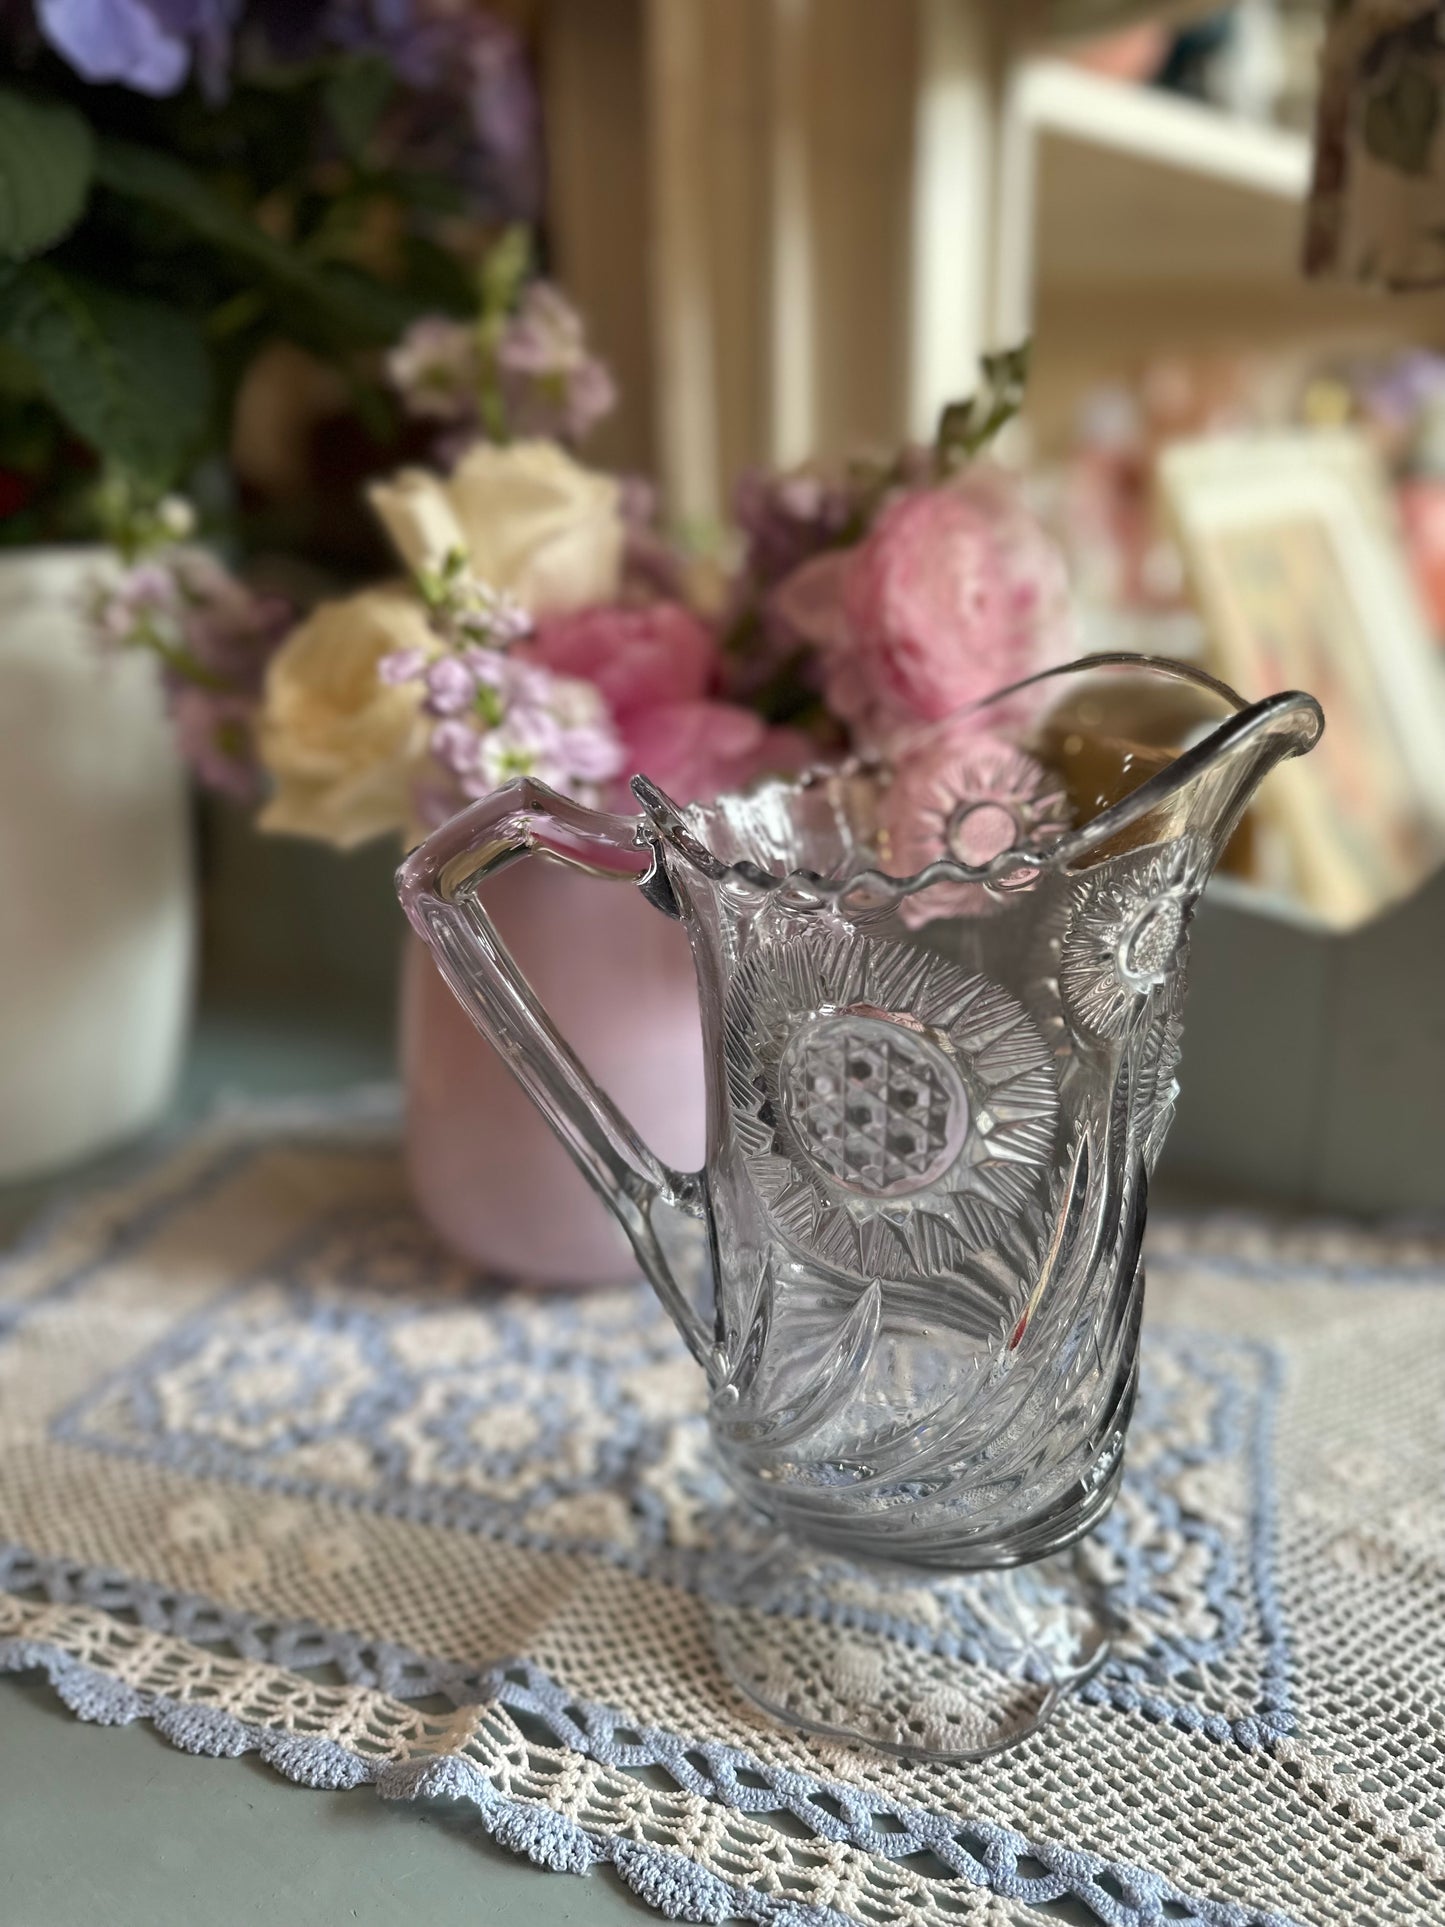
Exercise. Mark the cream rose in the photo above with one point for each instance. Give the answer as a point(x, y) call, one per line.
point(530, 520)
point(342, 745)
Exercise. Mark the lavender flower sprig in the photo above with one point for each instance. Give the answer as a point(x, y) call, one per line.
point(212, 634)
point(521, 368)
point(498, 716)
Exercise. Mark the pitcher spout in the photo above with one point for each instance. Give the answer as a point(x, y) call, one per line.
point(1204, 791)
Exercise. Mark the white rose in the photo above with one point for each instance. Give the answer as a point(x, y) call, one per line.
point(342, 745)
point(529, 519)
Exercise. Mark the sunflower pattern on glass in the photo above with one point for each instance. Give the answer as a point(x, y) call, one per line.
point(1128, 934)
point(894, 1111)
point(967, 798)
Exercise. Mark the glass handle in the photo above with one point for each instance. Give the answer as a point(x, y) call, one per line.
point(439, 886)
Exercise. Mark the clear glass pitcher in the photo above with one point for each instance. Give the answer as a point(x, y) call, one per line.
point(941, 996)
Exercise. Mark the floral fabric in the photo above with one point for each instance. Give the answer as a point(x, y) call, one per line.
point(1377, 208)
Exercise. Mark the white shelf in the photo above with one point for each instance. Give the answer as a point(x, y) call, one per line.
point(1134, 223)
point(1068, 103)
point(1119, 186)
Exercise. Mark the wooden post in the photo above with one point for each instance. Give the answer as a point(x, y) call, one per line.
point(792, 371)
point(955, 194)
point(680, 278)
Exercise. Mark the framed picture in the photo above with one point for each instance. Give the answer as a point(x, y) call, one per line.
point(1291, 545)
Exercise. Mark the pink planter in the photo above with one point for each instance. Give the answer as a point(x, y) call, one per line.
point(485, 1170)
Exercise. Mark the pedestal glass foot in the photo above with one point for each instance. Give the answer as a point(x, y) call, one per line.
point(950, 1668)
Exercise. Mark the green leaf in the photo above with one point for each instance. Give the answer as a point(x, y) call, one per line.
point(130, 377)
point(355, 93)
point(348, 304)
point(46, 158)
point(437, 277)
point(967, 427)
point(505, 268)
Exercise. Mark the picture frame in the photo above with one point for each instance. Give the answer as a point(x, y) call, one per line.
point(1290, 543)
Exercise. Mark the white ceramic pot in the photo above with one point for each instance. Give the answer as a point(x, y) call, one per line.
point(96, 894)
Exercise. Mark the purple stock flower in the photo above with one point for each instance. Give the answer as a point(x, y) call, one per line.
point(214, 636)
point(228, 628)
point(123, 610)
point(553, 727)
point(450, 686)
point(554, 387)
point(434, 369)
point(215, 732)
point(529, 685)
point(456, 746)
point(469, 111)
point(488, 666)
point(402, 665)
point(592, 754)
point(787, 520)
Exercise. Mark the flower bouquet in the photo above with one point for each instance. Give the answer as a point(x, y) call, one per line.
point(544, 626)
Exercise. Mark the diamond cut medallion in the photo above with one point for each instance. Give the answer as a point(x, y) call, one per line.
point(896, 1112)
point(874, 1105)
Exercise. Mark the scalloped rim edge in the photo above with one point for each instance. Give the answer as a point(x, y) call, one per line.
point(664, 821)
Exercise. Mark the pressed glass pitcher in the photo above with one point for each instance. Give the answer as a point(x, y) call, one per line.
point(941, 996)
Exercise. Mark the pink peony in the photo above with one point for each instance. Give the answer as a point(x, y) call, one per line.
point(653, 666)
point(955, 591)
point(637, 657)
point(696, 750)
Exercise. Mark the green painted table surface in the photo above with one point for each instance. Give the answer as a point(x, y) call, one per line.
point(111, 1825)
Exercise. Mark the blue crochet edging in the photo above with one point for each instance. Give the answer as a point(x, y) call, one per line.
point(1238, 1427)
point(1118, 1895)
point(1128, 1685)
point(668, 1882)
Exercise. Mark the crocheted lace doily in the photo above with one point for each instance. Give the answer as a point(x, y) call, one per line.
point(278, 1475)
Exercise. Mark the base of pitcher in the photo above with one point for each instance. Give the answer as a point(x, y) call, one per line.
point(906, 1662)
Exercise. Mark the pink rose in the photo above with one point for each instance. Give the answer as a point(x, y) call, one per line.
point(955, 591)
point(636, 657)
point(696, 750)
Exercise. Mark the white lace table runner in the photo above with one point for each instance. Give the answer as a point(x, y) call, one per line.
point(278, 1475)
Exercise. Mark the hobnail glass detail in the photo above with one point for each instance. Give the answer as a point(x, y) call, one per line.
point(941, 998)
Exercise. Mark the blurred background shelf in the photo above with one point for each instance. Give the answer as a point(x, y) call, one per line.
point(796, 224)
point(1137, 222)
point(1054, 100)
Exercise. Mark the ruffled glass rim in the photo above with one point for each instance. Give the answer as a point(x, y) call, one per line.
point(1291, 715)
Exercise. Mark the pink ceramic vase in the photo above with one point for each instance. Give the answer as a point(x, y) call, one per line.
point(485, 1170)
